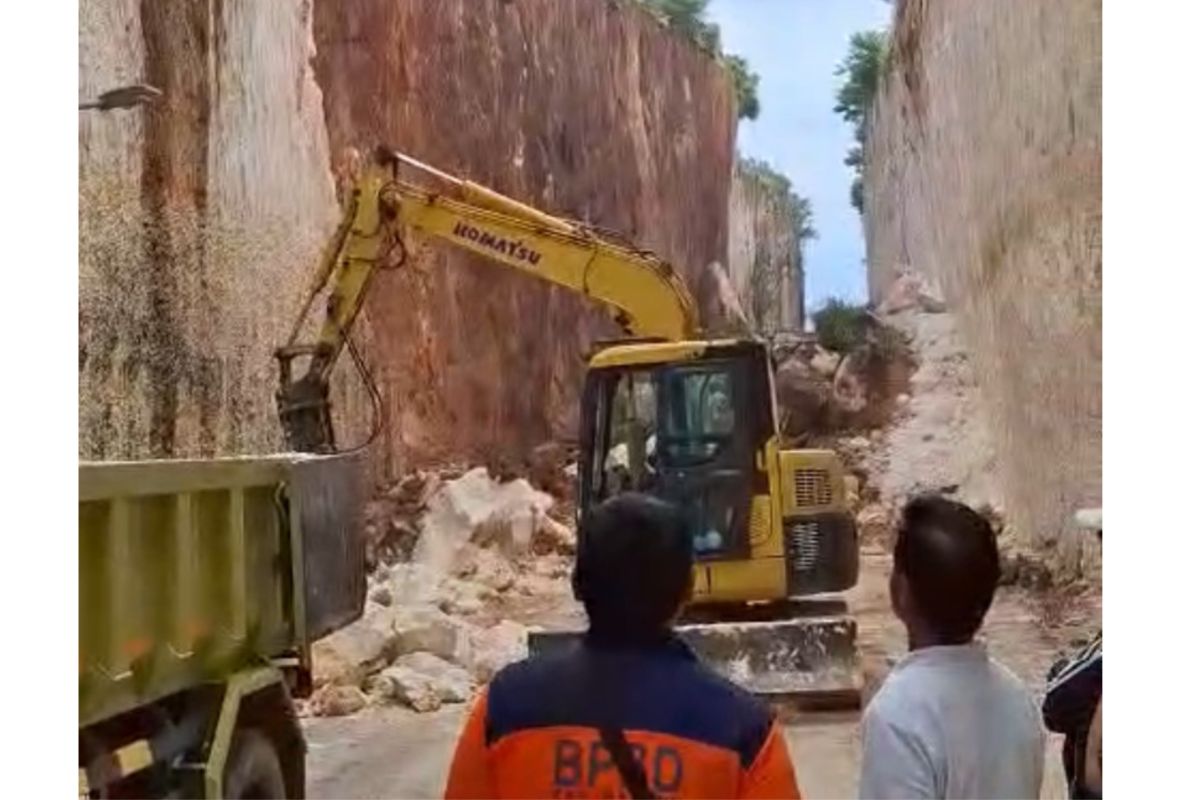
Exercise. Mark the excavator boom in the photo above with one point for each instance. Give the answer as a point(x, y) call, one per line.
point(645, 296)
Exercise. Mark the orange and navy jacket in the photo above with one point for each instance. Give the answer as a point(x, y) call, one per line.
point(534, 732)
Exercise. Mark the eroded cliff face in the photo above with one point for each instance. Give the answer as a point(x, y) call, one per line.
point(201, 220)
point(983, 173)
point(586, 109)
point(765, 253)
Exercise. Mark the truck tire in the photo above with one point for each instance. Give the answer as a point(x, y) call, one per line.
point(253, 771)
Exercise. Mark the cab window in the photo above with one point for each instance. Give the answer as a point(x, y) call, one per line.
point(629, 451)
point(699, 419)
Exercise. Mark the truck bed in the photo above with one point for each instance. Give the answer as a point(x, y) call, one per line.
point(192, 570)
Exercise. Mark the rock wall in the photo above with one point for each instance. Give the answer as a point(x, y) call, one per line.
point(201, 219)
point(765, 257)
point(983, 173)
point(587, 109)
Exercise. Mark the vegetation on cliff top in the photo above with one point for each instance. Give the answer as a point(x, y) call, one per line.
point(841, 327)
point(862, 72)
point(846, 328)
point(799, 208)
point(688, 17)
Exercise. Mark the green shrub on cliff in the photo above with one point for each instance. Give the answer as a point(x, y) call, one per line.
point(745, 84)
point(856, 191)
point(763, 173)
point(688, 17)
point(845, 328)
point(802, 220)
point(862, 72)
point(841, 327)
point(862, 69)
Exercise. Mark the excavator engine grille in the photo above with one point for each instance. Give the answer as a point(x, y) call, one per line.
point(803, 545)
point(812, 488)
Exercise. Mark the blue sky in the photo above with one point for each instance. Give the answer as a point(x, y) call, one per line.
point(794, 46)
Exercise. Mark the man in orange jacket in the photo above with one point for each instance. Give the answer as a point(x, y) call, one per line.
point(629, 711)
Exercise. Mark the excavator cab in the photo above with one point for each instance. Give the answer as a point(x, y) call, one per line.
point(685, 430)
point(694, 422)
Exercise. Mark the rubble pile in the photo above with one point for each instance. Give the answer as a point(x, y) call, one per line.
point(450, 552)
point(937, 439)
point(939, 433)
point(823, 393)
point(391, 518)
point(805, 397)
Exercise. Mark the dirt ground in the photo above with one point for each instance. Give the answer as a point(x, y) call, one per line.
point(398, 753)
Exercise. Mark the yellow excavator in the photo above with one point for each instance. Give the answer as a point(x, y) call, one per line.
point(665, 411)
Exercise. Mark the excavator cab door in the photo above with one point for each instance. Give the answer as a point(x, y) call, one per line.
point(686, 431)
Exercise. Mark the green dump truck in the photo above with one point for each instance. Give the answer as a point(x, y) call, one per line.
point(202, 585)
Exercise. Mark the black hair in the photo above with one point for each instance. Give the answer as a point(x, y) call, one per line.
point(948, 554)
point(633, 567)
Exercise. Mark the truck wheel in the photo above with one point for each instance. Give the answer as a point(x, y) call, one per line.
point(253, 771)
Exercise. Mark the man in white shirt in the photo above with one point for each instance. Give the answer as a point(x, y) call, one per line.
point(949, 721)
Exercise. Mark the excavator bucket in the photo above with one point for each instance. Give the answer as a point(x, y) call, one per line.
point(808, 663)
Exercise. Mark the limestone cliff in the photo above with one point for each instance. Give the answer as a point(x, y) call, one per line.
point(587, 109)
point(765, 248)
point(983, 173)
point(201, 219)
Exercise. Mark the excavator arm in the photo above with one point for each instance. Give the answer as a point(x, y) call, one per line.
point(643, 293)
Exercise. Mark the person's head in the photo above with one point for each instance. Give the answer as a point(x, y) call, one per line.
point(721, 413)
point(945, 570)
point(633, 567)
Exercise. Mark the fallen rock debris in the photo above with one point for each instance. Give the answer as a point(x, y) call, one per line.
point(448, 550)
point(336, 700)
point(421, 681)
